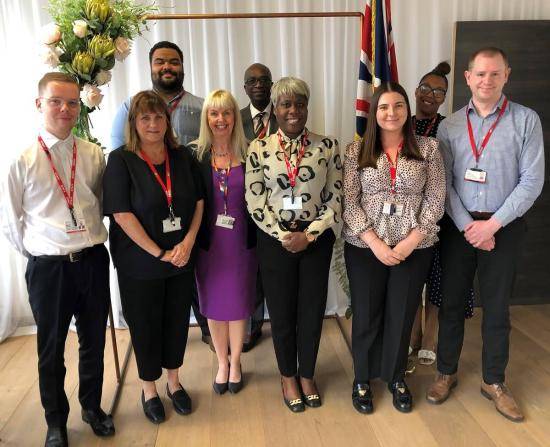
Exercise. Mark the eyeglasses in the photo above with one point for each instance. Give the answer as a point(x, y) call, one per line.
point(58, 102)
point(263, 80)
point(438, 93)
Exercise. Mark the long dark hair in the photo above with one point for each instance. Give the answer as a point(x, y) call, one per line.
point(371, 147)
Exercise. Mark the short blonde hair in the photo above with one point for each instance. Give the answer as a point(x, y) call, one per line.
point(221, 99)
point(289, 86)
point(147, 101)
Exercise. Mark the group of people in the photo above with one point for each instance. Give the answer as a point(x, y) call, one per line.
point(215, 208)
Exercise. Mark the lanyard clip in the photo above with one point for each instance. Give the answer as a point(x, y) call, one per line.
point(171, 215)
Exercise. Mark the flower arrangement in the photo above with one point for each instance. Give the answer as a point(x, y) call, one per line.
point(85, 39)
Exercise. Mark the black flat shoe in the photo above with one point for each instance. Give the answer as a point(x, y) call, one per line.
point(101, 424)
point(294, 405)
point(361, 397)
point(402, 397)
point(56, 437)
point(311, 400)
point(153, 409)
point(180, 399)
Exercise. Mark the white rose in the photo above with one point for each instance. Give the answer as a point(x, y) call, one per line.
point(80, 28)
point(50, 34)
point(102, 77)
point(50, 55)
point(122, 48)
point(91, 96)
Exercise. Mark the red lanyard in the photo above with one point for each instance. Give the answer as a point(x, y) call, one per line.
point(428, 129)
point(167, 188)
point(222, 176)
point(477, 152)
point(69, 197)
point(175, 101)
point(293, 171)
point(263, 132)
point(393, 167)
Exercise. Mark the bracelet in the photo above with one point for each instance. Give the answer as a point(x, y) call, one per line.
point(162, 253)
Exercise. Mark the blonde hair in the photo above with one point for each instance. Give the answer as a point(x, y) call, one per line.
point(289, 86)
point(147, 101)
point(221, 99)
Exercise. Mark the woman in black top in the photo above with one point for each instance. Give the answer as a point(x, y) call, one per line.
point(153, 196)
point(430, 95)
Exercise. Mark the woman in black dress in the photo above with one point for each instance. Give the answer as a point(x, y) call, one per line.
point(430, 95)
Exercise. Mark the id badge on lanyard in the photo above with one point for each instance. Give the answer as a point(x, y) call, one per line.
point(476, 174)
point(172, 222)
point(222, 175)
point(392, 208)
point(293, 202)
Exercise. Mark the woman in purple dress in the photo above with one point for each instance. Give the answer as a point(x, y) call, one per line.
point(226, 265)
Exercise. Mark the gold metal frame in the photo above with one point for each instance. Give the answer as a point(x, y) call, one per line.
point(121, 373)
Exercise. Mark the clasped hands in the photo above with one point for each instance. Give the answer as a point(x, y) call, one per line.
point(295, 242)
point(180, 254)
point(481, 233)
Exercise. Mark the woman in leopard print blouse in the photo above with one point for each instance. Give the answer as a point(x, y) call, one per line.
point(394, 194)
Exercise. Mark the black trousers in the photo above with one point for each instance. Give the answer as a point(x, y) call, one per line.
point(384, 301)
point(496, 272)
point(257, 318)
point(157, 312)
point(296, 293)
point(57, 291)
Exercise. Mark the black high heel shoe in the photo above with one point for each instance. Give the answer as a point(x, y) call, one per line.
point(221, 388)
point(235, 387)
point(294, 405)
point(311, 400)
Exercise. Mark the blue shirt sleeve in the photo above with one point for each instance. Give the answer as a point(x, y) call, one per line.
point(119, 124)
point(531, 174)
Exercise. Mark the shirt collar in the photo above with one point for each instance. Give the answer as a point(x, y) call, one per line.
point(51, 141)
point(498, 105)
point(287, 139)
point(254, 111)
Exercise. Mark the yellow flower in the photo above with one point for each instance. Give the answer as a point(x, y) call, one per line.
point(83, 63)
point(101, 47)
point(98, 9)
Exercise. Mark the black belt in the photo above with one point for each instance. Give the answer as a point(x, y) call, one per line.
point(71, 257)
point(481, 215)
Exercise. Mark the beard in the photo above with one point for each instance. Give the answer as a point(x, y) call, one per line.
point(173, 85)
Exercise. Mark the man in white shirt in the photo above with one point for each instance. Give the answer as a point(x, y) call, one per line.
point(51, 213)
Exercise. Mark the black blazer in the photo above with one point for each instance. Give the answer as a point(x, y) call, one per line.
point(248, 123)
point(203, 237)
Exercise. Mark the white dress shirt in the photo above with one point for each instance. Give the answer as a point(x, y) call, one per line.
point(267, 112)
point(34, 211)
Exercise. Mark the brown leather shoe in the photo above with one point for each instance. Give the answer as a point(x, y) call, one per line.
point(503, 399)
point(440, 388)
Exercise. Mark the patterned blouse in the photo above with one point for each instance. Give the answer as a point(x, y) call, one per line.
point(419, 186)
point(318, 183)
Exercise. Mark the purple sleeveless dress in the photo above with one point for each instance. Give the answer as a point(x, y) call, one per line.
point(226, 273)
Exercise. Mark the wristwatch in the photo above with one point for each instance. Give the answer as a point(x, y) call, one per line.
point(310, 237)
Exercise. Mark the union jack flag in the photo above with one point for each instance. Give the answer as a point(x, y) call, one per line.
point(378, 63)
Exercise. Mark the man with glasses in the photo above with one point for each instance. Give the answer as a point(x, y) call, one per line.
point(167, 74)
point(258, 122)
point(51, 213)
point(494, 159)
point(258, 117)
